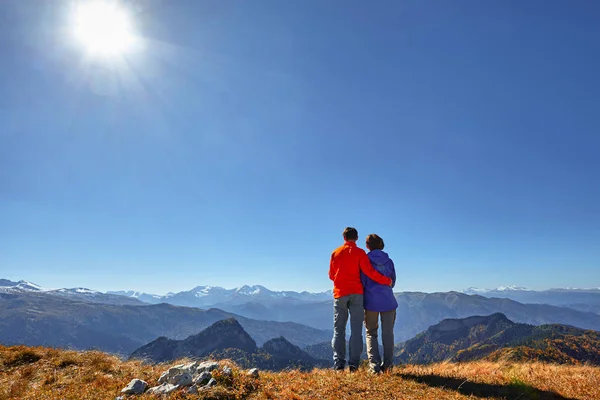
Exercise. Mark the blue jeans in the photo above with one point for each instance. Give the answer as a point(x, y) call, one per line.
point(352, 304)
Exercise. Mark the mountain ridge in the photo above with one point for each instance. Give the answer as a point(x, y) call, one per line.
point(416, 310)
point(202, 296)
point(40, 319)
point(581, 299)
point(495, 337)
point(227, 339)
point(221, 335)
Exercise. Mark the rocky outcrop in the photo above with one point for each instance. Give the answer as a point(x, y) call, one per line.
point(165, 388)
point(191, 378)
point(136, 386)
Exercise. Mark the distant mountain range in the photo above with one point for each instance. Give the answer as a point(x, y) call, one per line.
point(577, 299)
point(200, 296)
point(492, 337)
point(80, 294)
point(83, 318)
point(262, 303)
point(40, 318)
point(474, 290)
point(203, 296)
point(417, 311)
point(228, 339)
point(495, 337)
point(517, 289)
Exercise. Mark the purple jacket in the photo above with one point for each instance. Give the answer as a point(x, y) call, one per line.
point(379, 297)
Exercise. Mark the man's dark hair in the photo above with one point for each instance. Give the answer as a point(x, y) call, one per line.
point(375, 242)
point(350, 234)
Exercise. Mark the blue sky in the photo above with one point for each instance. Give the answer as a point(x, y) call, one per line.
point(235, 145)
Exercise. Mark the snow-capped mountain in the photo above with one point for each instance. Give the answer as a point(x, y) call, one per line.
point(200, 296)
point(218, 297)
point(259, 302)
point(474, 290)
point(511, 289)
point(77, 291)
point(80, 294)
point(20, 286)
point(520, 289)
point(143, 297)
point(93, 296)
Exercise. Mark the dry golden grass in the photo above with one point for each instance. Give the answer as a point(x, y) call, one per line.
point(51, 374)
point(43, 373)
point(535, 380)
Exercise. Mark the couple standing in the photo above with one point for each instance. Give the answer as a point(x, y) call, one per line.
point(362, 287)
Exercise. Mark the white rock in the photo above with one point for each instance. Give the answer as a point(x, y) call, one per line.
point(170, 373)
point(181, 380)
point(163, 377)
point(136, 386)
point(202, 378)
point(191, 367)
point(207, 366)
point(253, 372)
point(227, 371)
point(165, 388)
point(177, 376)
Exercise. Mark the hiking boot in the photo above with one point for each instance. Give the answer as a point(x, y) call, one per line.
point(338, 367)
point(374, 369)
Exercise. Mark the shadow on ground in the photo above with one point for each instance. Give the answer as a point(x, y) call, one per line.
point(514, 391)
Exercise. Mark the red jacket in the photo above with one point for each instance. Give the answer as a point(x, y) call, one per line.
point(344, 270)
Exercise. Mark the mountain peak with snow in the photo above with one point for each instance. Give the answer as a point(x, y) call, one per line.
point(20, 286)
point(503, 289)
point(78, 290)
point(216, 296)
point(512, 288)
point(253, 290)
point(474, 290)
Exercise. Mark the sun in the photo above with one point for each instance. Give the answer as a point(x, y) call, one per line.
point(103, 27)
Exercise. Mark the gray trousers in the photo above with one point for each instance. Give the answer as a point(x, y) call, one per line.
point(352, 304)
point(387, 337)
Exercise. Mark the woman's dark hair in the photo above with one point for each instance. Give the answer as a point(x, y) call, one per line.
point(350, 233)
point(375, 242)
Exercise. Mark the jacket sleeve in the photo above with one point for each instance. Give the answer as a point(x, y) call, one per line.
point(366, 267)
point(331, 267)
point(393, 274)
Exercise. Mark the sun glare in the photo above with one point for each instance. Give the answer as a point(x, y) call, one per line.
point(103, 28)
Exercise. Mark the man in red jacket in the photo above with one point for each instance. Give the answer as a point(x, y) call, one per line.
point(347, 261)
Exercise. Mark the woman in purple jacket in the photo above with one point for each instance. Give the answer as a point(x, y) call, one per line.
point(379, 301)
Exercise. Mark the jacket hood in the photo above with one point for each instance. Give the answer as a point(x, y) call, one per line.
point(378, 256)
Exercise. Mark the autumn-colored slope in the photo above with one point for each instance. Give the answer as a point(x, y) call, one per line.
point(569, 349)
point(51, 374)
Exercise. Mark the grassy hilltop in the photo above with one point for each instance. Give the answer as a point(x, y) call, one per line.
point(51, 374)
